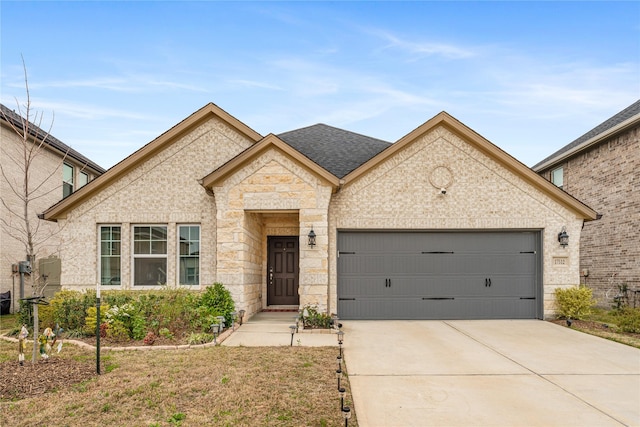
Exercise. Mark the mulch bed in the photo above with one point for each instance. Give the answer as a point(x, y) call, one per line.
point(18, 382)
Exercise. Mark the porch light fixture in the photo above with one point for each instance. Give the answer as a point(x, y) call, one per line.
point(346, 414)
point(312, 238)
point(293, 331)
point(563, 237)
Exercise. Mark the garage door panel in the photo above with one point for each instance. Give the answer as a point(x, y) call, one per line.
point(437, 309)
point(430, 275)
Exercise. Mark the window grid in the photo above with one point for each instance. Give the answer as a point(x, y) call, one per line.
point(67, 180)
point(189, 254)
point(110, 247)
point(149, 255)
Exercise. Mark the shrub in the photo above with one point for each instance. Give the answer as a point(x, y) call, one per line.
point(117, 331)
point(575, 302)
point(90, 320)
point(218, 299)
point(201, 338)
point(165, 333)
point(628, 320)
point(69, 308)
point(312, 318)
point(150, 338)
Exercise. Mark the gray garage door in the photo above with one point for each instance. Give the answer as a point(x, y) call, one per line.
point(439, 275)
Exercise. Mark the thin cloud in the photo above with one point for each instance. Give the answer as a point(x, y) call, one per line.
point(136, 84)
point(89, 112)
point(445, 50)
point(255, 84)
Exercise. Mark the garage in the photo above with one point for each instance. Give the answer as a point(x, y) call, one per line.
point(439, 275)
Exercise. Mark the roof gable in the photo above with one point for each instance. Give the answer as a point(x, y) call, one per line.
point(147, 151)
point(336, 150)
point(270, 141)
point(486, 147)
point(618, 123)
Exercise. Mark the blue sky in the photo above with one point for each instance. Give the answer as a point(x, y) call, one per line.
point(529, 76)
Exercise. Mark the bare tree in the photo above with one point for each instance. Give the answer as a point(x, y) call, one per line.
point(18, 170)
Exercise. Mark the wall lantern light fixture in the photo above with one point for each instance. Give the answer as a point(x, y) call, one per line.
point(312, 238)
point(563, 237)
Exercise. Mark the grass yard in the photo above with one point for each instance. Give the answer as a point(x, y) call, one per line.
point(215, 386)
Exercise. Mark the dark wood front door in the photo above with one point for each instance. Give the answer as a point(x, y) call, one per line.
point(282, 271)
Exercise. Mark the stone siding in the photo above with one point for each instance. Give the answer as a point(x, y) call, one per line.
point(606, 177)
point(271, 195)
point(404, 193)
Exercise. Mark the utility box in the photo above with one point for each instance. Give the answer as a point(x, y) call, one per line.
point(49, 270)
point(24, 267)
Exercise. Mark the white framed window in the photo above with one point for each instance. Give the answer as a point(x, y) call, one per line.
point(110, 247)
point(67, 180)
point(83, 179)
point(149, 255)
point(557, 177)
point(189, 255)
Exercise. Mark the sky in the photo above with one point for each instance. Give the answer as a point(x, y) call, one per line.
point(531, 77)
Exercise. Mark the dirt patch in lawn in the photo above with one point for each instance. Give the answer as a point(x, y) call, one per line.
point(33, 379)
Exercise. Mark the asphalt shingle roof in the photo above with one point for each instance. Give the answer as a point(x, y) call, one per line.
point(336, 150)
point(52, 141)
point(623, 115)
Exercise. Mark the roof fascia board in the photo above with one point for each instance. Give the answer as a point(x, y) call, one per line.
point(251, 153)
point(620, 127)
point(147, 151)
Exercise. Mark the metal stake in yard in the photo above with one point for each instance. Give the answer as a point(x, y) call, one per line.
point(98, 328)
point(293, 331)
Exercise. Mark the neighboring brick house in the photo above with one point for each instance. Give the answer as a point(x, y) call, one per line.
point(602, 169)
point(441, 224)
point(60, 170)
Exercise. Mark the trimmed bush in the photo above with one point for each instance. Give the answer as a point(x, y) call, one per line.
point(628, 320)
point(218, 299)
point(574, 303)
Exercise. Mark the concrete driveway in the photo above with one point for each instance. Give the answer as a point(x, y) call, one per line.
point(489, 373)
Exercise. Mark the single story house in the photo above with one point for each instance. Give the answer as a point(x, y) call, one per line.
point(602, 168)
point(441, 224)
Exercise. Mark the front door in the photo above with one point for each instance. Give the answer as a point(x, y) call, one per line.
point(282, 271)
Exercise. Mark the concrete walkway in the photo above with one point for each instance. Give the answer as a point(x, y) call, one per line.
point(489, 373)
point(269, 329)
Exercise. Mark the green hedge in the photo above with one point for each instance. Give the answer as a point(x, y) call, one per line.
point(133, 314)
